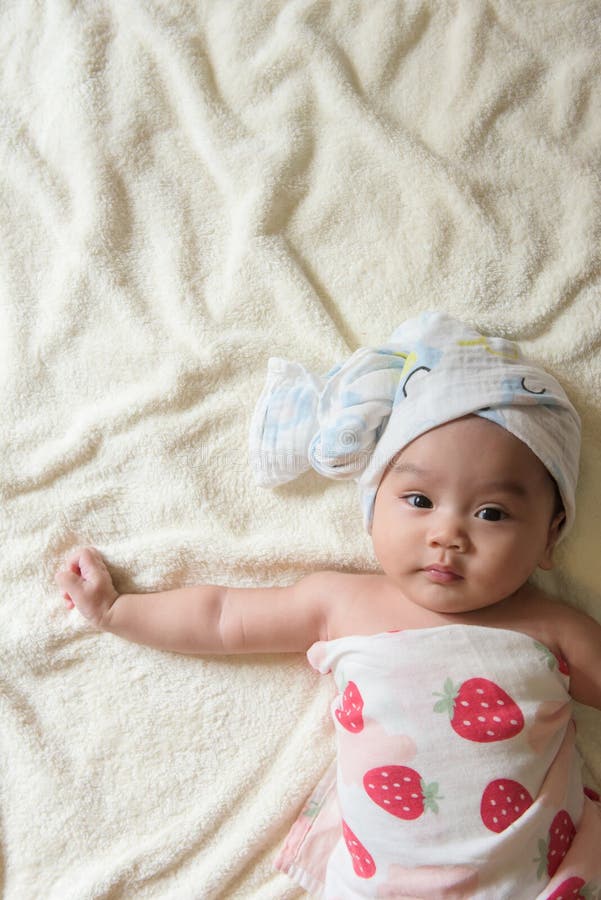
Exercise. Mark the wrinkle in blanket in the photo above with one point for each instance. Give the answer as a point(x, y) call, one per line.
point(186, 189)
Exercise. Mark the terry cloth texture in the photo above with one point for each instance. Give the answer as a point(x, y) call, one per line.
point(187, 189)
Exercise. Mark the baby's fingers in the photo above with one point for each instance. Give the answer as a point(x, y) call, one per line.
point(68, 582)
point(91, 564)
point(85, 562)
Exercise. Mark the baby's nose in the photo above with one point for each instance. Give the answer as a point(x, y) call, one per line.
point(448, 531)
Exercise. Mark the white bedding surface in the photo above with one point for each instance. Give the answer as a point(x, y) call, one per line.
point(186, 189)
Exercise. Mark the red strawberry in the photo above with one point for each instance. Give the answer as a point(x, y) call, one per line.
point(363, 863)
point(592, 794)
point(571, 888)
point(401, 791)
point(552, 852)
point(351, 714)
point(480, 710)
point(503, 801)
point(563, 665)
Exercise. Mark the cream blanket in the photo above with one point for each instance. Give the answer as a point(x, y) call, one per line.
point(186, 189)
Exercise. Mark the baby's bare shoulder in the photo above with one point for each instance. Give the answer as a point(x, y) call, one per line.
point(338, 591)
point(569, 633)
point(555, 622)
point(348, 603)
point(340, 586)
point(539, 603)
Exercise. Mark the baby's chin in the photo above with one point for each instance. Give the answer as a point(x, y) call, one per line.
point(428, 598)
point(448, 600)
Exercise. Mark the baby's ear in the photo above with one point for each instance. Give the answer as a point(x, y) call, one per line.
point(555, 528)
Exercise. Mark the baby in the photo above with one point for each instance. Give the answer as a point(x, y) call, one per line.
point(457, 773)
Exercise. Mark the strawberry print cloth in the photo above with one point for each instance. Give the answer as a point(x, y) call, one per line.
point(457, 773)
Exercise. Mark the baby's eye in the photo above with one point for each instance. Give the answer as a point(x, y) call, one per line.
point(419, 501)
point(491, 514)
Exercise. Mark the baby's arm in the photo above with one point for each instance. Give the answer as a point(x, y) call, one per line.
point(201, 619)
point(580, 641)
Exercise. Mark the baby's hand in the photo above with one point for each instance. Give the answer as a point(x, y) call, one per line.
point(86, 584)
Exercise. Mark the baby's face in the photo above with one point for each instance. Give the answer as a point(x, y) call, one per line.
point(463, 516)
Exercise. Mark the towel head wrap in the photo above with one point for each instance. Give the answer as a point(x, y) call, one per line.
point(351, 422)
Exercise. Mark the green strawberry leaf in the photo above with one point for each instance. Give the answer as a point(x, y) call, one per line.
point(447, 704)
point(548, 656)
point(312, 808)
point(542, 859)
point(430, 795)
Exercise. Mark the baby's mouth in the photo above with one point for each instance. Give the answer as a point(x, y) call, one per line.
point(441, 574)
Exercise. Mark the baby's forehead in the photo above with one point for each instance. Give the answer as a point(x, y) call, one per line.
point(472, 443)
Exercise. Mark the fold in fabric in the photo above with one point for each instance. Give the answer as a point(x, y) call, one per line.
point(351, 422)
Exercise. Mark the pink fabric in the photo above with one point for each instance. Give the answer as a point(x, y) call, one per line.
point(349, 842)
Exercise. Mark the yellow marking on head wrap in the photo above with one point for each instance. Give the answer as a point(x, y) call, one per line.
point(482, 341)
point(410, 360)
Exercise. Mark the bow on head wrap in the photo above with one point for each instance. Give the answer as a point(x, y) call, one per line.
point(352, 422)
